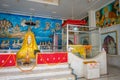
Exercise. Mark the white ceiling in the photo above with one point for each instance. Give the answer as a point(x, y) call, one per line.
point(66, 9)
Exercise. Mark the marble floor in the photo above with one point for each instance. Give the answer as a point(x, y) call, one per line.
point(113, 74)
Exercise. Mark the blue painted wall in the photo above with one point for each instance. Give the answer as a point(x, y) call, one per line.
point(43, 33)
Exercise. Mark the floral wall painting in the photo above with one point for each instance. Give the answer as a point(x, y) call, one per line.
point(109, 42)
point(108, 15)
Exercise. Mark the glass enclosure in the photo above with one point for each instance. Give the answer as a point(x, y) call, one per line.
point(83, 41)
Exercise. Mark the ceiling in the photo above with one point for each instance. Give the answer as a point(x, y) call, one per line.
point(67, 9)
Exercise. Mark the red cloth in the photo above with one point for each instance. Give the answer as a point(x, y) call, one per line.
point(74, 22)
point(53, 57)
point(7, 60)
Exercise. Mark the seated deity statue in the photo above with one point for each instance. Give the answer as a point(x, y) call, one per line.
point(28, 47)
point(16, 29)
point(14, 44)
point(4, 44)
point(19, 44)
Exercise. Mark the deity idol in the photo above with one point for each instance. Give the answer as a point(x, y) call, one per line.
point(28, 47)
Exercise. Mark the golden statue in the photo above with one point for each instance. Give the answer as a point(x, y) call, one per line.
point(28, 47)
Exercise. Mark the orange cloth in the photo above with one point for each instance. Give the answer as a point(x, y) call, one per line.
point(87, 62)
point(88, 48)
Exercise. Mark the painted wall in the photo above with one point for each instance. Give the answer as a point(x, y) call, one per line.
point(108, 18)
point(13, 27)
point(108, 15)
point(114, 59)
point(117, 29)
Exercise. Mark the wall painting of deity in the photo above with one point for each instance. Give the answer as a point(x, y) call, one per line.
point(108, 15)
point(109, 42)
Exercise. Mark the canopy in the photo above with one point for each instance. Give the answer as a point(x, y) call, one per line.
point(74, 22)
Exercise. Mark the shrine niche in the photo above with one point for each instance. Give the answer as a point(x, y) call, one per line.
point(109, 42)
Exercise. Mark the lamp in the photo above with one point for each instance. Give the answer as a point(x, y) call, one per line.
point(75, 28)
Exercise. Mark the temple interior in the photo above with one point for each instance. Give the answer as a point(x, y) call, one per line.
point(59, 39)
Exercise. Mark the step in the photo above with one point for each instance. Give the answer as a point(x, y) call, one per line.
point(35, 73)
point(59, 77)
point(47, 71)
point(60, 71)
point(38, 67)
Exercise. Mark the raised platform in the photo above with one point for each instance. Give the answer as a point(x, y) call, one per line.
point(48, 66)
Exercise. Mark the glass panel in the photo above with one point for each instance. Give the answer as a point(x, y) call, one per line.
point(83, 41)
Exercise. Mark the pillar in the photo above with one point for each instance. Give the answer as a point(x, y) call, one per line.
point(95, 35)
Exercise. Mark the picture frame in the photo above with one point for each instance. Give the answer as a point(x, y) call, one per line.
point(109, 42)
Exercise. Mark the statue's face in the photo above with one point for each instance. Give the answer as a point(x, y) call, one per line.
point(29, 39)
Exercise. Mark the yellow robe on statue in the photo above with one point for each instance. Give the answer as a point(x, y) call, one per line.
point(28, 47)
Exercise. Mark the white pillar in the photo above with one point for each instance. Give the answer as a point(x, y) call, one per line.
point(92, 20)
point(95, 37)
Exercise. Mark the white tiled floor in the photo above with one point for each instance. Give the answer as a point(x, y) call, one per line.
point(113, 74)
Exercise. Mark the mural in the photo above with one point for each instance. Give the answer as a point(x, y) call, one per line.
point(108, 15)
point(13, 28)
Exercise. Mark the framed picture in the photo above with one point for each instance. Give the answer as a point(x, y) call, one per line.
point(109, 42)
